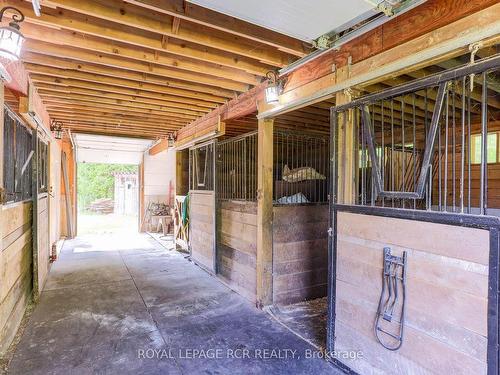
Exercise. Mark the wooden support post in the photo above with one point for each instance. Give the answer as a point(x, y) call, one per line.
point(346, 176)
point(265, 213)
point(2, 100)
point(2, 191)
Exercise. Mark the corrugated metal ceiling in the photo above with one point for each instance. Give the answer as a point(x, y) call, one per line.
point(302, 19)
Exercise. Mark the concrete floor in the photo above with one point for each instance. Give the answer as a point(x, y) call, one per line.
point(118, 304)
point(307, 319)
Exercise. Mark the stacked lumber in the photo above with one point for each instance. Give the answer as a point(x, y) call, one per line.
point(102, 206)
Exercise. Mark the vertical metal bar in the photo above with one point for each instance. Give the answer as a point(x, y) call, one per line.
point(372, 192)
point(446, 135)
point(469, 151)
point(392, 148)
point(484, 148)
point(382, 153)
point(453, 145)
point(403, 159)
point(414, 141)
point(439, 169)
point(431, 174)
point(363, 167)
point(462, 154)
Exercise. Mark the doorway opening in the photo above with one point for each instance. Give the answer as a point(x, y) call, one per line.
point(108, 198)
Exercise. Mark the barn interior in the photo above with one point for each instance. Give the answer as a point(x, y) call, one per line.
point(308, 189)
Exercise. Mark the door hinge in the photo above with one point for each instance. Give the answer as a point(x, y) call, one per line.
point(330, 232)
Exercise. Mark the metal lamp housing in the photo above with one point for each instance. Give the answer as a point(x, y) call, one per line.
point(272, 93)
point(11, 41)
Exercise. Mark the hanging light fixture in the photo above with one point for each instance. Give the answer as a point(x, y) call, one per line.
point(11, 39)
point(274, 87)
point(56, 128)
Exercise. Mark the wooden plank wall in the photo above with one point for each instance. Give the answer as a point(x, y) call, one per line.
point(202, 236)
point(300, 253)
point(236, 246)
point(43, 237)
point(447, 289)
point(15, 268)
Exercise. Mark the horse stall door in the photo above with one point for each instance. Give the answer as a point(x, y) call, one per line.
point(41, 244)
point(202, 233)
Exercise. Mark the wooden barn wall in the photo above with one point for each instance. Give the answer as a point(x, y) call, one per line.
point(43, 238)
point(55, 184)
point(66, 147)
point(202, 230)
point(446, 303)
point(15, 268)
point(300, 253)
point(236, 246)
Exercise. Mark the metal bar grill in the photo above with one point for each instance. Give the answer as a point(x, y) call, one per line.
point(301, 168)
point(237, 168)
point(431, 144)
point(201, 167)
point(18, 156)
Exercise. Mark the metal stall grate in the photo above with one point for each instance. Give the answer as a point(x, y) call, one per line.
point(429, 144)
point(301, 168)
point(201, 167)
point(237, 168)
point(18, 154)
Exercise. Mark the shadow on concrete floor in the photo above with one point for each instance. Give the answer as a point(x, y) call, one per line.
point(122, 304)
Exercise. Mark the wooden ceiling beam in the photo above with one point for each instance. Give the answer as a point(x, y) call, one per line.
point(82, 79)
point(131, 106)
point(64, 70)
point(144, 19)
point(81, 113)
point(38, 36)
point(67, 20)
point(207, 17)
point(68, 121)
point(69, 124)
point(113, 120)
point(89, 129)
point(105, 98)
point(112, 95)
point(96, 63)
point(53, 104)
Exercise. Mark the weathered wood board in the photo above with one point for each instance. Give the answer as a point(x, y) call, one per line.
point(202, 228)
point(15, 268)
point(300, 253)
point(446, 303)
point(237, 246)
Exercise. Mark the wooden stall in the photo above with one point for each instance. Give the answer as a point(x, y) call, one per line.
point(15, 267)
point(414, 257)
point(202, 226)
point(300, 216)
point(446, 303)
point(236, 247)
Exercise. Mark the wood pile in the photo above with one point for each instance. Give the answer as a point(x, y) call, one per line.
point(102, 206)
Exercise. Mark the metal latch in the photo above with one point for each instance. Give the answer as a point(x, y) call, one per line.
point(330, 232)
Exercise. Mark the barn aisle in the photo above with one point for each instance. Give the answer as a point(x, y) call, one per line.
point(123, 304)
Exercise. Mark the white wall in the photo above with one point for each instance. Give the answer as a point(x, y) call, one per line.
point(159, 173)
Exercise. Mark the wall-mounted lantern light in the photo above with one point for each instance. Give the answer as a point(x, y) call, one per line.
point(11, 39)
point(274, 87)
point(56, 128)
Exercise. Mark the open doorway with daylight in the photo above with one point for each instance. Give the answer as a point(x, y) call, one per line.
point(108, 184)
point(108, 198)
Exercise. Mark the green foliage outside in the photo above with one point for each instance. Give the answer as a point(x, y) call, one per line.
point(95, 181)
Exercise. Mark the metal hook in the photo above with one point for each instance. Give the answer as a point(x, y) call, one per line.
point(473, 48)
